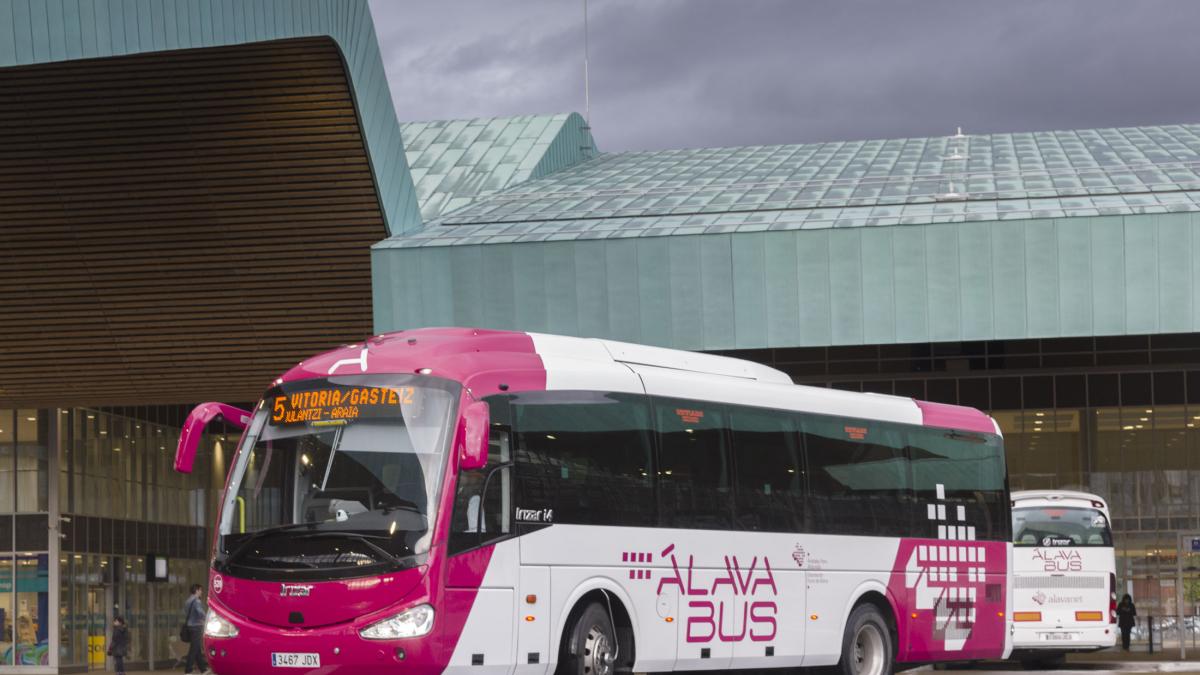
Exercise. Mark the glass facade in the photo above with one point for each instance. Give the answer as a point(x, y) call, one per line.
point(25, 617)
point(80, 543)
point(1116, 416)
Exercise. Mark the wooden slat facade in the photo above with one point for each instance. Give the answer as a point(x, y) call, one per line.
point(180, 226)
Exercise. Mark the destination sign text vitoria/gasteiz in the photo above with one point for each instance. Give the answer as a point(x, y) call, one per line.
point(339, 403)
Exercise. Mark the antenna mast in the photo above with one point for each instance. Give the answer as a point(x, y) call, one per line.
point(587, 94)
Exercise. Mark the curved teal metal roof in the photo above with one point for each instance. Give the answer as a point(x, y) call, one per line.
point(35, 31)
point(1072, 233)
point(455, 162)
point(957, 178)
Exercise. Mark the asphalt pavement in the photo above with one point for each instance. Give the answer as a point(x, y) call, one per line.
point(1100, 667)
point(1073, 668)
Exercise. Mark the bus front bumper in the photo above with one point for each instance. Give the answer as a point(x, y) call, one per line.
point(329, 651)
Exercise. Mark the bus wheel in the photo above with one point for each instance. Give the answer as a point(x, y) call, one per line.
point(867, 643)
point(592, 649)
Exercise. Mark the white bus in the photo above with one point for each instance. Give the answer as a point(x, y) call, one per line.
point(1064, 575)
point(498, 503)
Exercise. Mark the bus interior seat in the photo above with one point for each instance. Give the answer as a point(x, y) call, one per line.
point(1028, 539)
point(1095, 540)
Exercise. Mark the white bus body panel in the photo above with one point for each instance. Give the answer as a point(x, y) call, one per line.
point(732, 593)
point(817, 400)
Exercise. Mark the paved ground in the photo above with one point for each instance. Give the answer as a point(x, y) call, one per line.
point(1074, 668)
point(1145, 668)
point(1099, 663)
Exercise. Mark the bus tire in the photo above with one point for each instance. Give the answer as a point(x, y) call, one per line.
point(591, 644)
point(866, 644)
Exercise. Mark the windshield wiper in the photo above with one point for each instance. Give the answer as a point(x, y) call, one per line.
point(256, 536)
point(362, 537)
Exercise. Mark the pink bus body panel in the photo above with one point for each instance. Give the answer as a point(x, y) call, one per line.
point(955, 417)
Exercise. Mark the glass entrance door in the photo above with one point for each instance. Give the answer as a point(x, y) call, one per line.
point(99, 599)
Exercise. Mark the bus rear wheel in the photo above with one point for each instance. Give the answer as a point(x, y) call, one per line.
point(866, 644)
point(591, 648)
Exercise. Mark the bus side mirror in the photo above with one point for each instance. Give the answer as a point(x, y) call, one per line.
point(193, 429)
point(474, 451)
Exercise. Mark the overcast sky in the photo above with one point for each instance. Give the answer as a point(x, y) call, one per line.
point(703, 73)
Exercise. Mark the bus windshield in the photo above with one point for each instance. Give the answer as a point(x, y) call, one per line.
point(337, 477)
point(1060, 526)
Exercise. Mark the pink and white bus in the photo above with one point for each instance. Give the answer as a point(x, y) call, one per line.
point(500, 503)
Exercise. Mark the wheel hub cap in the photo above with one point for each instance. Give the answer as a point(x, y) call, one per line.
point(597, 653)
point(867, 653)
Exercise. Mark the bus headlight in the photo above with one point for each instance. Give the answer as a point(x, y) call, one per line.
point(412, 622)
point(216, 626)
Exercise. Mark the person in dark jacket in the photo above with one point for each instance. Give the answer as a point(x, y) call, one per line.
point(119, 647)
point(194, 614)
point(1125, 619)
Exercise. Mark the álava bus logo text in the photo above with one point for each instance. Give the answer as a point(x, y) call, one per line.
point(1059, 560)
point(738, 604)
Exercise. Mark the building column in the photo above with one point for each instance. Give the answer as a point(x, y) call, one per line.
point(54, 449)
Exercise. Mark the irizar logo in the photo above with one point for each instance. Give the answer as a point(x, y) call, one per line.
point(1059, 560)
point(295, 590)
point(535, 515)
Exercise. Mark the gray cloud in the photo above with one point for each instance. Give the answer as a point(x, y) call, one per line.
point(696, 73)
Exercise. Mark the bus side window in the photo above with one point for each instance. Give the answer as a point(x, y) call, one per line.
point(770, 480)
point(970, 470)
point(858, 477)
point(584, 457)
point(694, 473)
point(480, 517)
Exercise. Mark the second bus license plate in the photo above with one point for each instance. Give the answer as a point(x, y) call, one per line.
point(295, 660)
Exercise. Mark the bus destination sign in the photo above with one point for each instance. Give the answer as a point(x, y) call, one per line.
point(333, 404)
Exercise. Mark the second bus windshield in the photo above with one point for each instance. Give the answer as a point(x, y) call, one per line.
point(1060, 526)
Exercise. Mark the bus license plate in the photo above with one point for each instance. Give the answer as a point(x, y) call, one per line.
point(295, 660)
point(1058, 636)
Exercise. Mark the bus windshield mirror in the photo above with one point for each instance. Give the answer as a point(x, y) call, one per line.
point(474, 434)
point(193, 430)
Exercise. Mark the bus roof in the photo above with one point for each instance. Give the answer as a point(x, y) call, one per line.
point(489, 361)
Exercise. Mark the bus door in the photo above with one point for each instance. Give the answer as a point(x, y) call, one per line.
point(482, 570)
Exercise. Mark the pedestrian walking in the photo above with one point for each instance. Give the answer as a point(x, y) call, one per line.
point(193, 618)
point(1125, 619)
point(119, 647)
